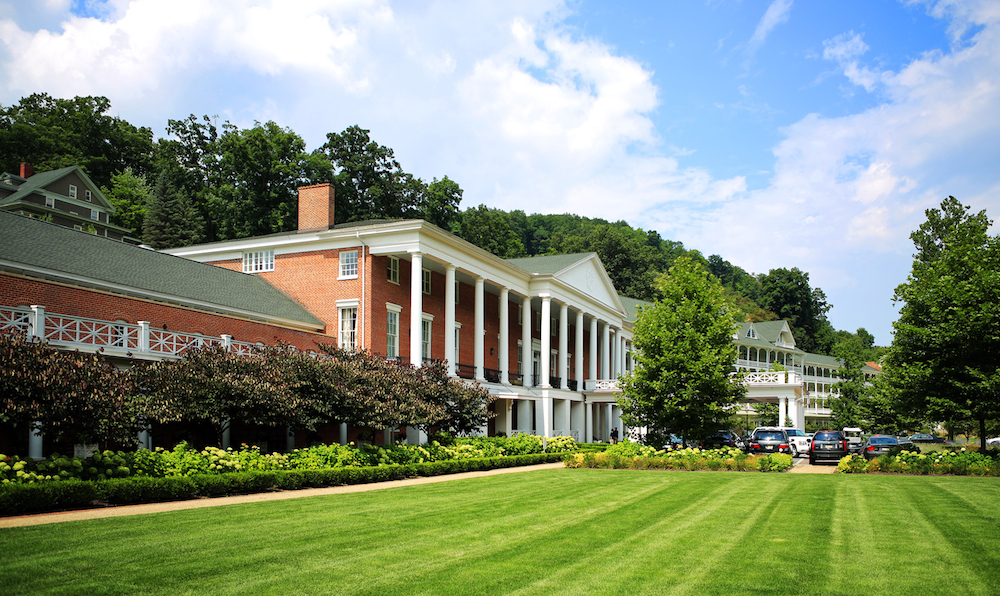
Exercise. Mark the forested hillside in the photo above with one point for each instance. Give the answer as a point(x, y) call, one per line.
point(207, 181)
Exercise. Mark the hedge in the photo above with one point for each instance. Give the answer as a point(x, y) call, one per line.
point(17, 499)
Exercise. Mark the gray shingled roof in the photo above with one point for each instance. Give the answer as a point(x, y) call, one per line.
point(549, 264)
point(632, 307)
point(55, 248)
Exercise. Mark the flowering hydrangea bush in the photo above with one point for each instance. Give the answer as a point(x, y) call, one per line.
point(634, 456)
point(183, 460)
point(961, 462)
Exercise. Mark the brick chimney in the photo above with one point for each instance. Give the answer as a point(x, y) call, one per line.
point(26, 170)
point(316, 206)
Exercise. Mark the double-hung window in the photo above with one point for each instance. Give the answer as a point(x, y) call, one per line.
point(425, 336)
point(348, 264)
point(72, 191)
point(426, 278)
point(258, 261)
point(392, 273)
point(392, 330)
point(95, 215)
point(348, 335)
point(88, 196)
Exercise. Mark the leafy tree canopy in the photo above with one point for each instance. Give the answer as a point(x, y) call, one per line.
point(684, 355)
point(944, 362)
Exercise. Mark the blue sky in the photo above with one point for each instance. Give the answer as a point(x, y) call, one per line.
point(776, 134)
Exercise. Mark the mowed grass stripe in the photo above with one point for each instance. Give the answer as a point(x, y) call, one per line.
point(568, 531)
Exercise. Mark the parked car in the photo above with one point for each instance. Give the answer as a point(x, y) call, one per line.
point(853, 436)
point(922, 438)
point(723, 438)
point(768, 439)
point(877, 445)
point(798, 441)
point(906, 444)
point(994, 442)
point(828, 444)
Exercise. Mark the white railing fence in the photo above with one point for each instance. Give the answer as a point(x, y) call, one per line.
point(114, 337)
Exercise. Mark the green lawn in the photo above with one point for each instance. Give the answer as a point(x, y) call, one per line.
point(551, 532)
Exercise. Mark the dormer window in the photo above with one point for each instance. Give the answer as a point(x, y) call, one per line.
point(751, 333)
point(72, 191)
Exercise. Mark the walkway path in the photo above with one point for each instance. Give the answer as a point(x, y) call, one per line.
point(51, 518)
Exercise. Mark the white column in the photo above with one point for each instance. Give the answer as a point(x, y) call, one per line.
point(524, 420)
point(526, 342)
point(504, 336)
point(479, 333)
point(609, 422)
point(563, 345)
point(226, 434)
point(782, 410)
point(343, 433)
point(546, 416)
point(588, 411)
point(606, 352)
point(290, 440)
point(416, 307)
point(546, 332)
point(578, 363)
point(449, 319)
point(143, 336)
point(35, 445)
point(508, 418)
point(621, 352)
point(592, 373)
point(415, 436)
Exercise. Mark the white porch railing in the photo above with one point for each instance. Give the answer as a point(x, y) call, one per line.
point(772, 378)
point(557, 432)
point(602, 385)
point(114, 337)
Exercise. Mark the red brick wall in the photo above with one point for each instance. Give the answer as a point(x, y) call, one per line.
point(68, 300)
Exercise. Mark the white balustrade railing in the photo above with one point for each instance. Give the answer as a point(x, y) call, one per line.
point(602, 385)
point(114, 337)
point(772, 378)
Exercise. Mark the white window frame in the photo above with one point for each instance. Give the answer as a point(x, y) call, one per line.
point(425, 281)
point(520, 314)
point(348, 264)
point(95, 215)
point(426, 335)
point(458, 292)
point(392, 270)
point(72, 191)
point(78, 228)
point(458, 328)
point(88, 196)
point(50, 202)
point(520, 357)
point(258, 261)
point(393, 311)
point(347, 324)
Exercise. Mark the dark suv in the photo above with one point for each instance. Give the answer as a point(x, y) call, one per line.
point(827, 444)
point(768, 439)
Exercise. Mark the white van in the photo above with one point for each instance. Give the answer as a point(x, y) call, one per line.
point(854, 440)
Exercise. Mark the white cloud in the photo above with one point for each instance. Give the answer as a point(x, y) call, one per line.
point(777, 13)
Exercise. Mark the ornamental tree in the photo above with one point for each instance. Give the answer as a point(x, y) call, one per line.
point(213, 385)
point(684, 356)
point(944, 362)
point(65, 395)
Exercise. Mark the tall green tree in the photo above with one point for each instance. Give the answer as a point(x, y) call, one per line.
point(128, 194)
point(259, 172)
point(52, 133)
point(489, 230)
point(171, 220)
point(944, 362)
point(684, 356)
point(787, 293)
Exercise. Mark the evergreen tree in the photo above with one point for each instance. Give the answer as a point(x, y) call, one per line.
point(171, 220)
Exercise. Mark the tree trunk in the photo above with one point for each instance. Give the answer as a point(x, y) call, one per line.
point(982, 434)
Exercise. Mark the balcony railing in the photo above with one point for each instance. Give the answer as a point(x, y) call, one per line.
point(601, 386)
point(114, 337)
point(771, 378)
